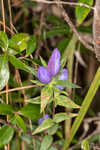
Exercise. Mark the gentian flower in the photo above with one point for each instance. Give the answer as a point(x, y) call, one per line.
point(46, 116)
point(45, 75)
point(54, 63)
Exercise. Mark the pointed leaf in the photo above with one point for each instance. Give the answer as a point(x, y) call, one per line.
point(20, 122)
point(43, 62)
point(6, 134)
point(31, 111)
point(82, 12)
point(3, 41)
point(59, 117)
point(18, 43)
point(4, 71)
point(35, 100)
point(5, 109)
point(67, 84)
point(46, 97)
point(46, 142)
point(44, 125)
point(31, 45)
point(20, 65)
point(66, 102)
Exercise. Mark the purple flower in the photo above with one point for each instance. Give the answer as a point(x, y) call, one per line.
point(54, 63)
point(63, 76)
point(43, 75)
point(46, 116)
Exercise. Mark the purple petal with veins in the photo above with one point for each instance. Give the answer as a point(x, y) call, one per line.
point(54, 63)
point(43, 75)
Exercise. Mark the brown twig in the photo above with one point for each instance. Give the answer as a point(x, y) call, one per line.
point(19, 88)
point(7, 27)
point(9, 124)
point(64, 3)
point(68, 20)
point(87, 138)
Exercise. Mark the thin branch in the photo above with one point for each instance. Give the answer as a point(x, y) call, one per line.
point(69, 22)
point(87, 138)
point(19, 88)
point(9, 124)
point(64, 3)
point(7, 27)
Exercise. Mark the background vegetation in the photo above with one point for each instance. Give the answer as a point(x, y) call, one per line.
point(29, 32)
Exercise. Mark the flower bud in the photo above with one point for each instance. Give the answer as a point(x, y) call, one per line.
point(43, 75)
point(63, 76)
point(54, 63)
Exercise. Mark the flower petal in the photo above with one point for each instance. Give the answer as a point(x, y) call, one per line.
point(40, 121)
point(63, 76)
point(43, 75)
point(54, 62)
point(46, 116)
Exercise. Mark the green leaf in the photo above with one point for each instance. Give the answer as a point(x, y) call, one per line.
point(3, 40)
point(37, 82)
point(18, 43)
point(43, 62)
point(44, 125)
point(5, 109)
point(85, 145)
point(35, 100)
point(20, 122)
point(59, 117)
point(53, 129)
point(65, 101)
point(31, 45)
point(46, 142)
point(6, 134)
point(20, 65)
point(82, 12)
point(46, 97)
point(54, 32)
point(4, 71)
point(67, 84)
point(62, 45)
point(31, 111)
point(52, 148)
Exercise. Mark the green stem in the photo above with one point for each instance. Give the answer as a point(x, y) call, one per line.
point(69, 53)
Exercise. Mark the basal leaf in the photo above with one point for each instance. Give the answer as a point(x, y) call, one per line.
point(4, 71)
point(3, 40)
point(6, 134)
